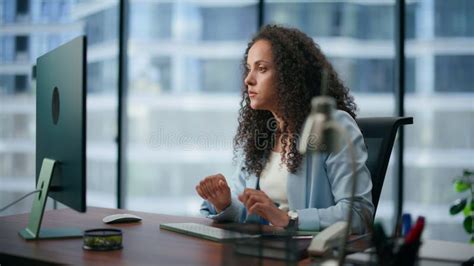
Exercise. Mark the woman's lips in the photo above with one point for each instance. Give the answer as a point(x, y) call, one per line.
point(252, 94)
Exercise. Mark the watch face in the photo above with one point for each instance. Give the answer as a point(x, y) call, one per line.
point(293, 215)
point(293, 223)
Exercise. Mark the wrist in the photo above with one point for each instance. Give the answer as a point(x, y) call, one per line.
point(283, 220)
point(286, 220)
point(221, 207)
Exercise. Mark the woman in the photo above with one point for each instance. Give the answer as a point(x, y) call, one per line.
point(273, 182)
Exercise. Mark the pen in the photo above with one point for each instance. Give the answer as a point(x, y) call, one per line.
point(415, 233)
point(406, 224)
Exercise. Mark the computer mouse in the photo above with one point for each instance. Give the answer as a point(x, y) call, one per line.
point(121, 218)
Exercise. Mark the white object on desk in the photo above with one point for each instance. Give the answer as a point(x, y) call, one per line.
point(327, 239)
point(121, 218)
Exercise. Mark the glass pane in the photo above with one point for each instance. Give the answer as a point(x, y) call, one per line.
point(184, 83)
point(358, 38)
point(30, 29)
point(440, 144)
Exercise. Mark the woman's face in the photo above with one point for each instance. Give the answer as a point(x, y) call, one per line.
point(261, 77)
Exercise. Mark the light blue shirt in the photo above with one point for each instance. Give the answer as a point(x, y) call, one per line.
point(319, 191)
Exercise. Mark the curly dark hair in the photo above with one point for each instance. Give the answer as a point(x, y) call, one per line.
point(299, 66)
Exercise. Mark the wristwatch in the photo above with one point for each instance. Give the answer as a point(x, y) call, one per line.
point(293, 223)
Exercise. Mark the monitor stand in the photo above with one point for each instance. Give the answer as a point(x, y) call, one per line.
point(34, 231)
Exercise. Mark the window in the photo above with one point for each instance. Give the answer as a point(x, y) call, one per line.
point(21, 45)
point(373, 76)
point(6, 84)
point(321, 19)
point(440, 143)
point(150, 20)
point(228, 23)
point(100, 26)
point(51, 25)
point(22, 7)
point(21, 83)
point(184, 83)
point(453, 18)
point(453, 73)
point(221, 76)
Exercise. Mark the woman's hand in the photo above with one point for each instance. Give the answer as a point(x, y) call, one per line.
point(214, 189)
point(256, 201)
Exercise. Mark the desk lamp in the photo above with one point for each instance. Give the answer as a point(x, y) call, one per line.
point(323, 134)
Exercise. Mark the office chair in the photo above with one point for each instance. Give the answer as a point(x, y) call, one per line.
point(379, 135)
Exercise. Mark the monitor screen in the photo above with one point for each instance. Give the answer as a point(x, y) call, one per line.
point(61, 121)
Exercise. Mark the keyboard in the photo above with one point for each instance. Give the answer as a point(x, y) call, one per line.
point(205, 231)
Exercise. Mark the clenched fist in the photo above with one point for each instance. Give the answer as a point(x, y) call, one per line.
point(214, 189)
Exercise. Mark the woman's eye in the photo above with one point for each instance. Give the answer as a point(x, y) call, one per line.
point(262, 69)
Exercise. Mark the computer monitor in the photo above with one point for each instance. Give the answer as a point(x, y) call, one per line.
point(60, 135)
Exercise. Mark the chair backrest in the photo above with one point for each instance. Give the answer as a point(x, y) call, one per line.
point(379, 135)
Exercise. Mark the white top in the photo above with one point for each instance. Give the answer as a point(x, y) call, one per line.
point(273, 180)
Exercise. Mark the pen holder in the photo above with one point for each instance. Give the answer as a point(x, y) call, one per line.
point(407, 254)
point(394, 252)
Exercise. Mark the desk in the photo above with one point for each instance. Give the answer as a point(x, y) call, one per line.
point(144, 243)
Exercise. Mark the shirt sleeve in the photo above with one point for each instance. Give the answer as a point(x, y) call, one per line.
point(338, 166)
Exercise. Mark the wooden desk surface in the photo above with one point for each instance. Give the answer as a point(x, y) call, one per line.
point(144, 243)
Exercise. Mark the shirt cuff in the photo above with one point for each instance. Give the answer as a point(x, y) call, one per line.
point(231, 213)
point(308, 220)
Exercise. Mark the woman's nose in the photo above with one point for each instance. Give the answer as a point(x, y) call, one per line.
point(249, 80)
